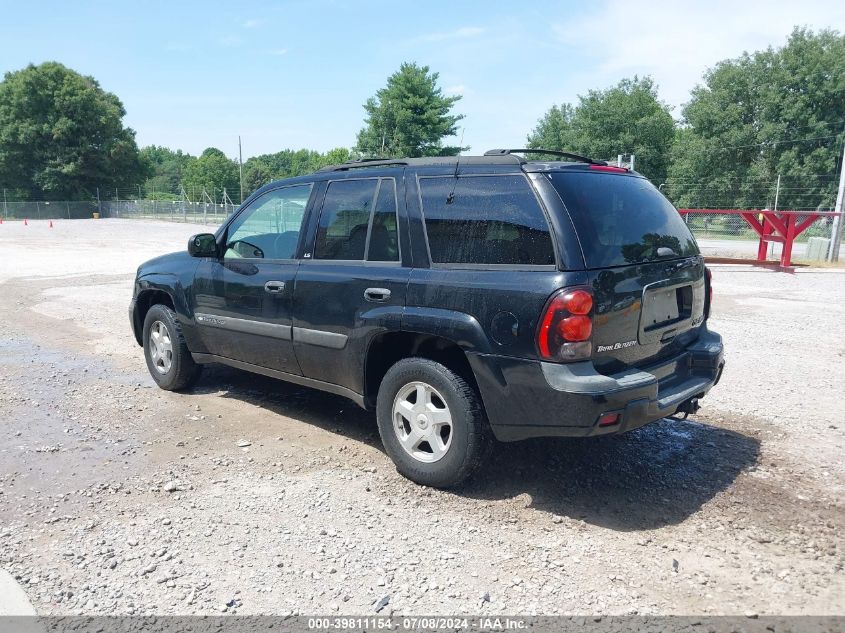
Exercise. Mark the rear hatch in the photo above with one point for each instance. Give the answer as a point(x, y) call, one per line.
point(643, 264)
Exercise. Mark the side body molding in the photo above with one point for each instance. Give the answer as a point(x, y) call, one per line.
point(248, 326)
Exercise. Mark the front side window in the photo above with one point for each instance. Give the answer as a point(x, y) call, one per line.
point(485, 220)
point(269, 228)
point(358, 221)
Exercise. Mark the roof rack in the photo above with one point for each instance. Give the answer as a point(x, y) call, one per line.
point(553, 152)
point(358, 163)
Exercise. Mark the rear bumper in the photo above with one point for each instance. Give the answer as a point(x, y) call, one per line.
point(527, 399)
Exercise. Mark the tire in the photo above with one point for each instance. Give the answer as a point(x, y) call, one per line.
point(427, 455)
point(174, 370)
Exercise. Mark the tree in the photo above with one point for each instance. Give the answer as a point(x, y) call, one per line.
point(777, 111)
point(62, 136)
point(166, 167)
point(625, 119)
point(212, 172)
point(554, 130)
point(409, 117)
point(259, 170)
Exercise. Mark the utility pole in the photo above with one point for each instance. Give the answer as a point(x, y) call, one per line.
point(836, 232)
point(5, 204)
point(241, 167)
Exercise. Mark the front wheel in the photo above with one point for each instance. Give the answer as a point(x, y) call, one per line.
point(431, 422)
point(168, 358)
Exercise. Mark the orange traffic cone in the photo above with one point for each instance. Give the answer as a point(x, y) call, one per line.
point(51, 224)
point(25, 223)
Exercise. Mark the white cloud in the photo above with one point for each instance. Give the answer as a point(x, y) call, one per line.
point(252, 24)
point(278, 52)
point(458, 34)
point(676, 42)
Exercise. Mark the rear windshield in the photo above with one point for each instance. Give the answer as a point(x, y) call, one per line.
point(622, 219)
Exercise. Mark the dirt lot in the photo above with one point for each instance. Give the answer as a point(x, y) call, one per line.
point(119, 498)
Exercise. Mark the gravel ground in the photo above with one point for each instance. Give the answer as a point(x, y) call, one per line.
point(254, 496)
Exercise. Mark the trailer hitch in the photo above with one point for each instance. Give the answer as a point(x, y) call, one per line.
point(691, 406)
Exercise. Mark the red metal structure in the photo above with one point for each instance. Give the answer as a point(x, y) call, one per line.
point(772, 226)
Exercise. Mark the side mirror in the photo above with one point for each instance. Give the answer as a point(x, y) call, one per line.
point(202, 245)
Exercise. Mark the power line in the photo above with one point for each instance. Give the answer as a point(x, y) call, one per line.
point(770, 143)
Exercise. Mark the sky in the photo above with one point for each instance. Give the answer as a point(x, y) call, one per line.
point(295, 74)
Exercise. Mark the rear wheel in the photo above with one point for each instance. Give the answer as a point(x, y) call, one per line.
point(168, 359)
point(431, 422)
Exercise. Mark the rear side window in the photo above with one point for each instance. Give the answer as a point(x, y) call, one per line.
point(383, 245)
point(485, 220)
point(622, 219)
point(345, 218)
point(358, 221)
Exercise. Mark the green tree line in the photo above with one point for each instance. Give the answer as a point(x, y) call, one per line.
point(774, 112)
point(777, 111)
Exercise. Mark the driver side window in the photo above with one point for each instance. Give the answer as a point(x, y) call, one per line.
point(269, 228)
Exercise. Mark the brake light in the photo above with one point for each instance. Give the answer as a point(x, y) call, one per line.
point(709, 303)
point(566, 326)
point(622, 170)
point(576, 328)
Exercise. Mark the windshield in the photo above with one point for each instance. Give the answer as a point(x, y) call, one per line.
point(622, 219)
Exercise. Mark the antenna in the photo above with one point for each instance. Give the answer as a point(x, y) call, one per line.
point(451, 197)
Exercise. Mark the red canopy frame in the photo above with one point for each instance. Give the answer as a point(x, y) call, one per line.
point(774, 226)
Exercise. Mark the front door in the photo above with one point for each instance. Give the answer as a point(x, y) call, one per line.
point(243, 300)
point(353, 286)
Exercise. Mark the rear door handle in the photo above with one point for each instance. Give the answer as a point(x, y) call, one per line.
point(377, 295)
point(274, 287)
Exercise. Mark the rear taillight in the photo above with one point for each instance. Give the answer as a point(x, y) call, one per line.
point(566, 326)
point(709, 289)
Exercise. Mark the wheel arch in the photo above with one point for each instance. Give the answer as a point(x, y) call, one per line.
point(149, 294)
point(388, 348)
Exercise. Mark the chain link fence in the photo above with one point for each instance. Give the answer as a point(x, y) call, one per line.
point(170, 210)
point(716, 226)
point(728, 234)
point(40, 210)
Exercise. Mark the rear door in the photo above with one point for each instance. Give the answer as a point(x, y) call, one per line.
point(243, 300)
point(352, 282)
point(492, 256)
point(643, 265)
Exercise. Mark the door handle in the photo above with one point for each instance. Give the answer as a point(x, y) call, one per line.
point(274, 287)
point(377, 295)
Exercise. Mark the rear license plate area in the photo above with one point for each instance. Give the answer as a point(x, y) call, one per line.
point(666, 306)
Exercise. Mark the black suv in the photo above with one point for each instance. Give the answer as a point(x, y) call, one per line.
point(458, 297)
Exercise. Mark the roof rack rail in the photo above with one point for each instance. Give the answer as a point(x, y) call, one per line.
point(553, 152)
point(358, 163)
